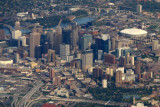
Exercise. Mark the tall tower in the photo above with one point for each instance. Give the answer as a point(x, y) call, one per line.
point(113, 43)
point(58, 38)
point(118, 78)
point(64, 51)
point(50, 38)
point(118, 44)
point(86, 41)
point(139, 8)
point(74, 37)
point(138, 67)
point(34, 41)
point(154, 45)
point(87, 59)
point(51, 71)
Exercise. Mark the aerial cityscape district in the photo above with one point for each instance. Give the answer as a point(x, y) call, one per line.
point(79, 53)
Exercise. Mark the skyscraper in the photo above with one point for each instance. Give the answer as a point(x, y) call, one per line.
point(38, 50)
point(118, 44)
point(154, 45)
point(113, 43)
point(51, 72)
point(87, 59)
point(139, 8)
point(34, 41)
point(64, 51)
point(118, 78)
point(51, 56)
point(58, 38)
point(122, 61)
point(74, 37)
point(50, 38)
point(109, 59)
point(86, 41)
point(137, 67)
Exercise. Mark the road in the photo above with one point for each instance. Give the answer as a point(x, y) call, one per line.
point(75, 100)
point(25, 99)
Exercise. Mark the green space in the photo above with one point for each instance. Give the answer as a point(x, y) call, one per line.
point(116, 94)
point(80, 13)
point(150, 6)
point(91, 105)
point(50, 21)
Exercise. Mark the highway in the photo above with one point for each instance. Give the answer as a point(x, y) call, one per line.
point(54, 98)
point(23, 101)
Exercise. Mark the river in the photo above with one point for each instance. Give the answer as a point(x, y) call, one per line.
point(80, 21)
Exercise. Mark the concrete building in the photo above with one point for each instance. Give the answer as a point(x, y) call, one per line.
point(155, 45)
point(34, 41)
point(51, 56)
point(58, 38)
point(64, 51)
point(87, 59)
point(118, 78)
point(16, 34)
point(74, 37)
point(137, 67)
point(50, 38)
point(104, 83)
point(139, 8)
point(86, 41)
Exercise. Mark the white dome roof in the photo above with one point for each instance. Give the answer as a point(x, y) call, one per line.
point(134, 31)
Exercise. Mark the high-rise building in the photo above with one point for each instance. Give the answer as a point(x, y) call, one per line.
point(132, 60)
point(104, 83)
point(95, 51)
point(45, 48)
point(127, 58)
point(2, 34)
point(154, 45)
point(34, 41)
point(138, 67)
point(86, 41)
point(118, 44)
point(50, 38)
point(38, 50)
point(51, 72)
point(64, 51)
point(74, 37)
point(51, 56)
point(109, 59)
point(118, 78)
point(122, 61)
point(97, 73)
point(139, 8)
point(58, 38)
point(113, 43)
point(57, 80)
point(87, 59)
point(66, 35)
point(16, 59)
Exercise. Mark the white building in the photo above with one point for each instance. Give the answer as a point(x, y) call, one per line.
point(104, 83)
point(16, 34)
point(64, 51)
point(23, 39)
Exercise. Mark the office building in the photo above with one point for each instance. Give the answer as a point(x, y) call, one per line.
point(118, 78)
point(109, 59)
point(16, 34)
point(97, 73)
point(138, 67)
point(51, 56)
point(118, 44)
point(155, 45)
point(2, 34)
point(64, 51)
point(50, 38)
point(139, 8)
point(104, 83)
point(51, 73)
point(34, 41)
point(58, 38)
point(113, 44)
point(45, 48)
point(86, 41)
point(74, 37)
point(87, 59)
point(38, 51)
point(66, 36)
